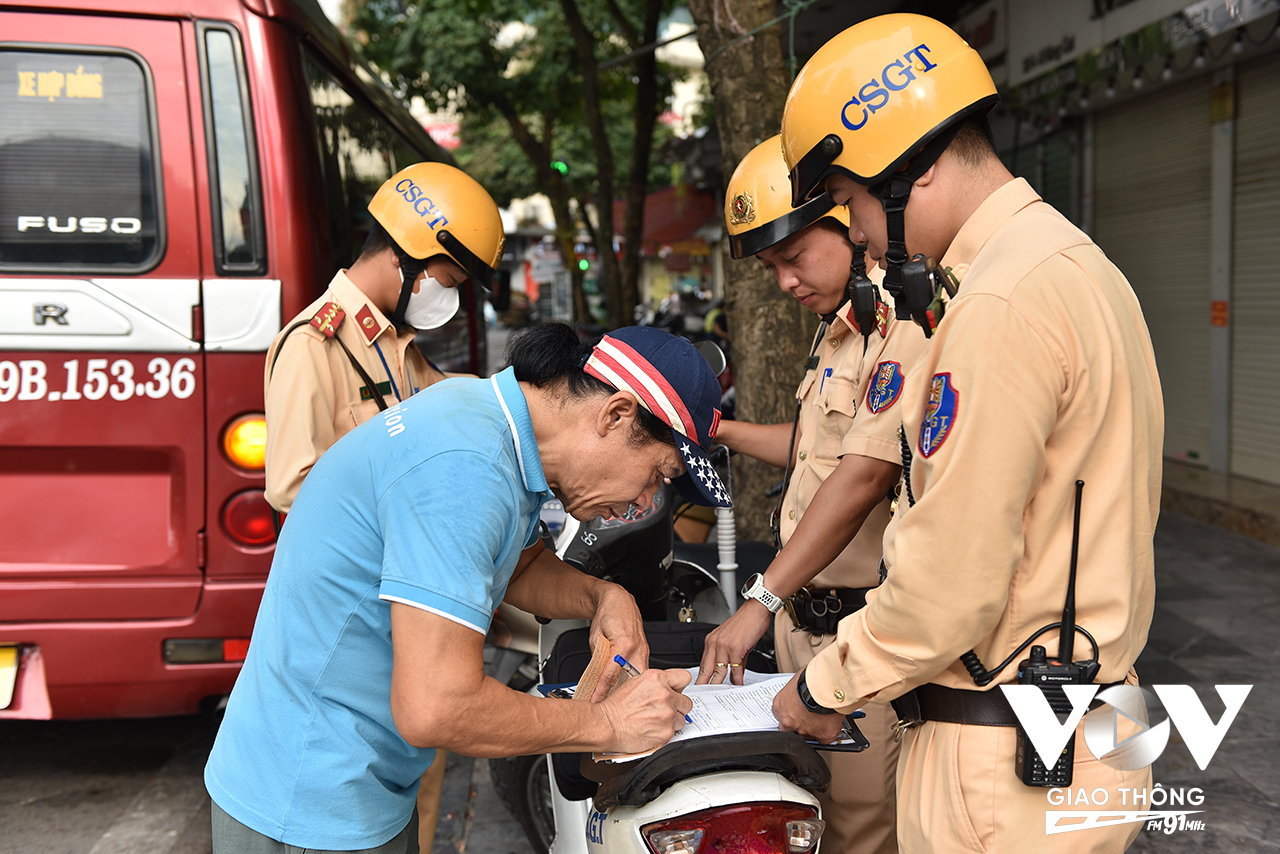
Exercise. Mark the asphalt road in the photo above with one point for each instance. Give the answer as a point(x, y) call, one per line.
point(136, 787)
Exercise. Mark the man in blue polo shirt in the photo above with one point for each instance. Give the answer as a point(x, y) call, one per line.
point(367, 651)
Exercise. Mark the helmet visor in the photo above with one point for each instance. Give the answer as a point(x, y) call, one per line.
point(807, 175)
point(479, 270)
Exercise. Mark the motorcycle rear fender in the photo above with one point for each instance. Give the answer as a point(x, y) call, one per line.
point(618, 830)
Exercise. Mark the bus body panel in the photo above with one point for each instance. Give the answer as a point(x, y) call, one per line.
point(114, 497)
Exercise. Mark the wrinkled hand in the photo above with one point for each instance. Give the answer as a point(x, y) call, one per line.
point(618, 618)
point(730, 642)
point(647, 710)
point(794, 717)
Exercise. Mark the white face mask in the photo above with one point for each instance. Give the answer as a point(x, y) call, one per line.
point(432, 306)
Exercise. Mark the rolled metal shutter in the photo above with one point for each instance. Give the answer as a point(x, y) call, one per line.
point(1151, 217)
point(1255, 309)
point(1049, 167)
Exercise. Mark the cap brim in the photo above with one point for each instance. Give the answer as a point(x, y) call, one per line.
point(700, 484)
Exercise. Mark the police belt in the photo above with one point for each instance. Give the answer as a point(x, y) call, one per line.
point(820, 611)
point(938, 703)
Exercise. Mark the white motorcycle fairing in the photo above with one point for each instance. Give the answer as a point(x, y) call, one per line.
point(618, 830)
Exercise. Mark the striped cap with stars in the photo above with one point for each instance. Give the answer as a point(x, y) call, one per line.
point(671, 379)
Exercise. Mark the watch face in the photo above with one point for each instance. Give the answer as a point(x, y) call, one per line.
point(751, 582)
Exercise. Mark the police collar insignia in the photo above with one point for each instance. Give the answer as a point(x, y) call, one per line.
point(882, 317)
point(368, 323)
point(939, 414)
point(886, 385)
point(328, 319)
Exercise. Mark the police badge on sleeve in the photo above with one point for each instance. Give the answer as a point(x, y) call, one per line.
point(939, 414)
point(886, 385)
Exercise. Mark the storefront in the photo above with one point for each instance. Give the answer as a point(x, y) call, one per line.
point(1155, 126)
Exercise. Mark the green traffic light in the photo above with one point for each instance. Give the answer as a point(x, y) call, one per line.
point(560, 166)
point(583, 264)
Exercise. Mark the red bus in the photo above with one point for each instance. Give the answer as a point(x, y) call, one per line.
point(176, 177)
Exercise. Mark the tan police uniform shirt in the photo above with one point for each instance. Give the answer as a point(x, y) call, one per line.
point(1041, 373)
point(315, 397)
point(850, 405)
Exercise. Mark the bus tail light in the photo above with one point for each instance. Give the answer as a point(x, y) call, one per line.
point(246, 517)
point(761, 828)
point(244, 441)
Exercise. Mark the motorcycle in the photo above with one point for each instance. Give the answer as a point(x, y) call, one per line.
point(685, 796)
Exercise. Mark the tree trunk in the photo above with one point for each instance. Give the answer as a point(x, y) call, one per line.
point(771, 332)
point(646, 116)
point(584, 45)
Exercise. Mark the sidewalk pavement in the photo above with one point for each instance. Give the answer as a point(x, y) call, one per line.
point(1217, 622)
point(1238, 504)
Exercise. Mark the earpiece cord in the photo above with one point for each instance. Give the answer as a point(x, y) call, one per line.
point(982, 676)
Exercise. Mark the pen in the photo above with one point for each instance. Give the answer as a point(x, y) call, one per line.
point(825, 374)
point(630, 669)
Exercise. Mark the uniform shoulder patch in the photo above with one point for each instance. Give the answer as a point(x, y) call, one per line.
point(886, 386)
point(939, 414)
point(328, 319)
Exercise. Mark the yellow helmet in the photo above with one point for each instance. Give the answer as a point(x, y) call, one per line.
point(877, 94)
point(757, 203)
point(432, 209)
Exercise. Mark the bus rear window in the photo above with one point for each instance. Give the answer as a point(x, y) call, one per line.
point(79, 188)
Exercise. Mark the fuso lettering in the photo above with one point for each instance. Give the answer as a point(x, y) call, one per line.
point(413, 194)
point(894, 77)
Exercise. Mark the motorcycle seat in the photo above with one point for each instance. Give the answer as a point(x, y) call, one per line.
point(640, 781)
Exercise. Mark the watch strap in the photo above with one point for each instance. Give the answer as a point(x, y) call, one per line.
point(806, 698)
point(764, 595)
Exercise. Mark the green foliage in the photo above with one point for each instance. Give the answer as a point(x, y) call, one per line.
point(499, 61)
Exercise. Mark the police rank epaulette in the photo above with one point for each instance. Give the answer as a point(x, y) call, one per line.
point(328, 319)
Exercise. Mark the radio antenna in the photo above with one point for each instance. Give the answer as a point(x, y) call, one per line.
point(1066, 637)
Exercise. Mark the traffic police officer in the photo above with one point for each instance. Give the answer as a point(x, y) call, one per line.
point(350, 354)
point(1040, 373)
point(847, 457)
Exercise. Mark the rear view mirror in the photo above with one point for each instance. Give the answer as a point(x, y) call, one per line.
point(714, 356)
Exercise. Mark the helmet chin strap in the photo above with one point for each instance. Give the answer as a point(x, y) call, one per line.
point(861, 292)
point(893, 193)
point(410, 269)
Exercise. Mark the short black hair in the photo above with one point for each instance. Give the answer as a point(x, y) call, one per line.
point(975, 142)
point(546, 354)
point(377, 240)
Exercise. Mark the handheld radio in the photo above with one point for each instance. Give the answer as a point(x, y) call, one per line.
point(1049, 675)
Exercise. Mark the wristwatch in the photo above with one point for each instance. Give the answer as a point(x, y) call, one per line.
point(755, 589)
point(802, 688)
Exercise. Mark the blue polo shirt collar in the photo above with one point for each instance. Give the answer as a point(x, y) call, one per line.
point(511, 398)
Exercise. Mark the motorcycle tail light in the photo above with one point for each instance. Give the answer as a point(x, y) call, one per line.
point(756, 828)
point(246, 517)
point(803, 835)
point(676, 841)
point(244, 441)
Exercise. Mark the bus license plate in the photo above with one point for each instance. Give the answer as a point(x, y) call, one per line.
point(8, 674)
